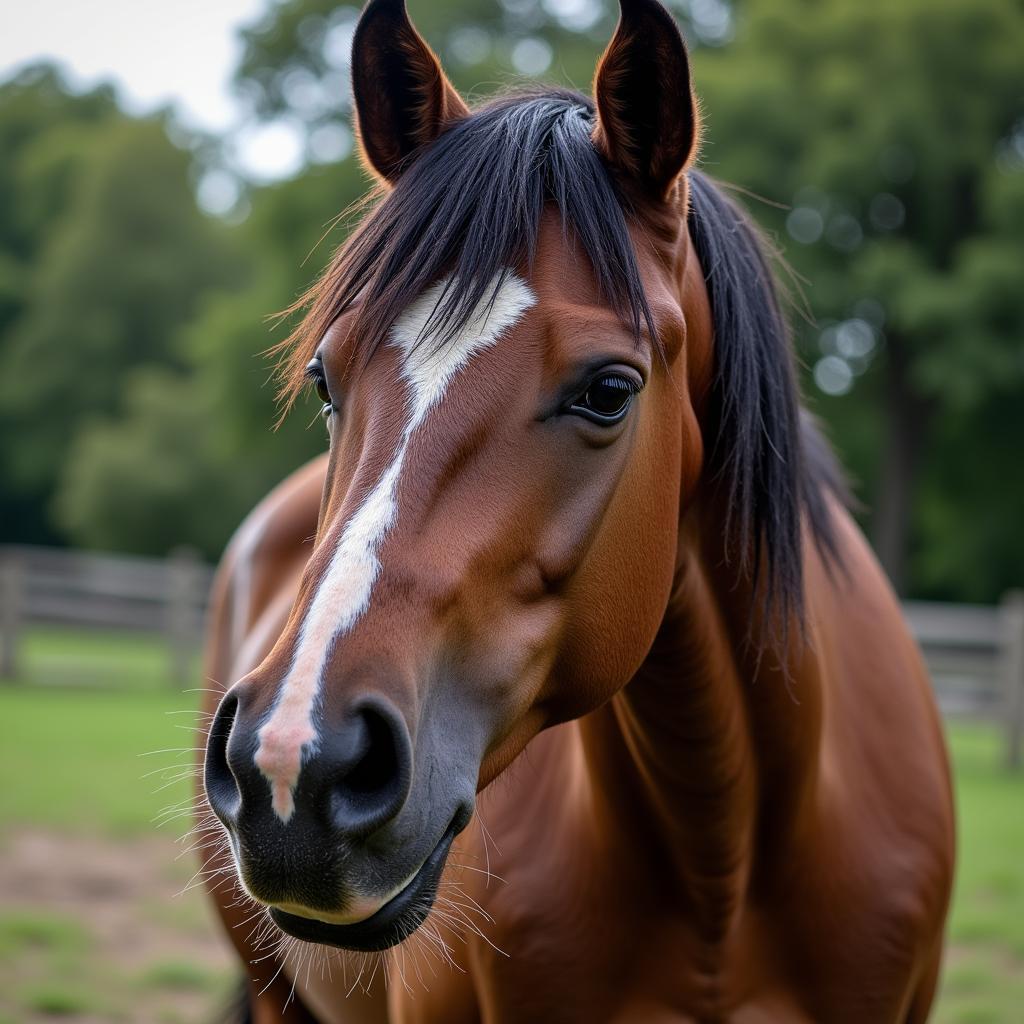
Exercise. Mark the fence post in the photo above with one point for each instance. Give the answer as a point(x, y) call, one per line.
point(1012, 665)
point(184, 612)
point(10, 614)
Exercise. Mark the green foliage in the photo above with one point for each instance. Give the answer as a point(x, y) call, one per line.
point(44, 134)
point(42, 128)
point(119, 270)
point(135, 409)
point(198, 448)
point(893, 135)
point(148, 478)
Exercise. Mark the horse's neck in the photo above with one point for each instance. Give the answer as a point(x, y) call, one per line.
point(704, 736)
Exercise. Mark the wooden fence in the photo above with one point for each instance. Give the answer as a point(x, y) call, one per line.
point(54, 587)
point(975, 653)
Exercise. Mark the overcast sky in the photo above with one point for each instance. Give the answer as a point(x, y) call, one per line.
point(180, 52)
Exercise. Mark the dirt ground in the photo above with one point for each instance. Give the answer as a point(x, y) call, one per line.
point(98, 930)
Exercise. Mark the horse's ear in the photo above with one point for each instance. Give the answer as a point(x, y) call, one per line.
point(647, 123)
point(403, 99)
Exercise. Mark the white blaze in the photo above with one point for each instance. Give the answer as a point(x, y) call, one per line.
point(344, 592)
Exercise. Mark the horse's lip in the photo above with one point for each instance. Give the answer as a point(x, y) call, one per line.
point(401, 915)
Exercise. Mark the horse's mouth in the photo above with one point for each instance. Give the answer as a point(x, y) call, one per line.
point(393, 922)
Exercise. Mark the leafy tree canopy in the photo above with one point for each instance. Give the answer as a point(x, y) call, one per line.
point(887, 139)
point(117, 258)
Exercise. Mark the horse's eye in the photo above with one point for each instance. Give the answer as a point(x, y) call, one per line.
point(316, 376)
point(606, 400)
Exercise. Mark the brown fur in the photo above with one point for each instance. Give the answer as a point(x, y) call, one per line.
point(684, 829)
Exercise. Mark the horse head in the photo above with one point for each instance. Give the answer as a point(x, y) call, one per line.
point(514, 357)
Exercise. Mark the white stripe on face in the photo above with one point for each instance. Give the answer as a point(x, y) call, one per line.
point(344, 592)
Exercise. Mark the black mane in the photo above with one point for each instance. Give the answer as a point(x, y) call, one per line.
point(469, 207)
point(767, 454)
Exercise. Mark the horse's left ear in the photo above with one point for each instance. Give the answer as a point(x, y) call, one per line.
point(647, 125)
point(403, 98)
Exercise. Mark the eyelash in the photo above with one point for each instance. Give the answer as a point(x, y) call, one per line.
point(314, 374)
point(624, 385)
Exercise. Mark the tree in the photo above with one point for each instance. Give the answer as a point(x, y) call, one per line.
point(188, 452)
point(894, 135)
point(147, 479)
point(889, 139)
point(43, 129)
point(43, 136)
point(106, 288)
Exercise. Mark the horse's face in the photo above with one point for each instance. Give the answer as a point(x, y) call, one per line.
point(500, 516)
point(494, 555)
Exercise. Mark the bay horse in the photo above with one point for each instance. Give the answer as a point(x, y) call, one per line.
point(587, 701)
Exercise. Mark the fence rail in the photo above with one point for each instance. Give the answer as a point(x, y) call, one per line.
point(975, 653)
point(53, 587)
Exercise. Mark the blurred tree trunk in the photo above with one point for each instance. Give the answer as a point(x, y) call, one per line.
point(906, 424)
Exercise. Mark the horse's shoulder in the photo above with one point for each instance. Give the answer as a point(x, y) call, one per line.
point(281, 524)
point(883, 784)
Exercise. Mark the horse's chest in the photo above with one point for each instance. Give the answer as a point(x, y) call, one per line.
point(584, 928)
point(577, 937)
point(604, 977)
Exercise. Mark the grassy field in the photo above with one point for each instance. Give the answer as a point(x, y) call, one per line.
point(97, 658)
point(984, 975)
point(94, 924)
point(83, 865)
point(83, 759)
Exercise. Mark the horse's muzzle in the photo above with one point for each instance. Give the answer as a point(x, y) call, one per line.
point(355, 862)
point(351, 782)
point(394, 921)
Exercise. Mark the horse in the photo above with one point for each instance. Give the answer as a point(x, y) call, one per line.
point(563, 686)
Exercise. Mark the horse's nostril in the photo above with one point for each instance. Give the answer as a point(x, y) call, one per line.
point(354, 780)
point(369, 770)
point(221, 786)
point(378, 766)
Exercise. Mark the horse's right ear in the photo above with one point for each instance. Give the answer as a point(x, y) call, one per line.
point(403, 99)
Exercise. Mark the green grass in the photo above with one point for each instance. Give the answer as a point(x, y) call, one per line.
point(19, 931)
point(984, 978)
point(179, 976)
point(70, 760)
point(71, 756)
point(74, 759)
point(58, 999)
point(104, 658)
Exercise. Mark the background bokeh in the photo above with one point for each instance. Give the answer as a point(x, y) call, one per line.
point(879, 142)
